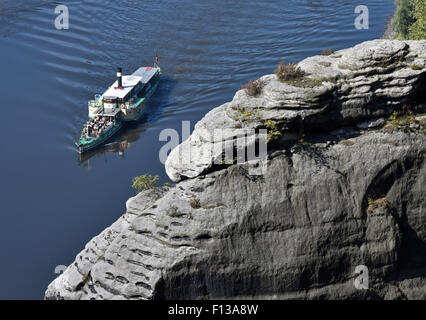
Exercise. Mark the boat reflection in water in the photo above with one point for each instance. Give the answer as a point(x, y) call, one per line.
point(114, 147)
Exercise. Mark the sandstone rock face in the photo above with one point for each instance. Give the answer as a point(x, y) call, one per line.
point(352, 193)
point(355, 84)
point(297, 232)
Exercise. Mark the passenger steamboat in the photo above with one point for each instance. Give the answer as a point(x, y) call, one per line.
point(124, 101)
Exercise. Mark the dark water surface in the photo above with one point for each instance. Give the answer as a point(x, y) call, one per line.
point(52, 202)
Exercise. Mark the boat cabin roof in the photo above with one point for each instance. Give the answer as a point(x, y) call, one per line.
point(128, 82)
point(146, 73)
point(142, 75)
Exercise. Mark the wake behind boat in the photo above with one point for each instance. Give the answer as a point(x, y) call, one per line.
point(124, 101)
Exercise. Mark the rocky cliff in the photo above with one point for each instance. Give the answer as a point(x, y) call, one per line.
point(343, 186)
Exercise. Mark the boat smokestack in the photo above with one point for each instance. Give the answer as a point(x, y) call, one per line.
point(119, 79)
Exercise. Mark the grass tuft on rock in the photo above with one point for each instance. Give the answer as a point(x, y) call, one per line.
point(292, 74)
point(245, 114)
point(253, 88)
point(327, 52)
point(195, 203)
point(405, 122)
point(288, 72)
point(374, 204)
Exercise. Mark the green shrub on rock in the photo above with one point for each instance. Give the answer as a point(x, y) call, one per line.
point(145, 182)
point(274, 129)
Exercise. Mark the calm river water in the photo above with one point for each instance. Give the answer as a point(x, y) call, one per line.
point(51, 201)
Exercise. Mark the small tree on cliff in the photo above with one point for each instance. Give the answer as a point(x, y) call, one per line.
point(417, 31)
point(403, 17)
